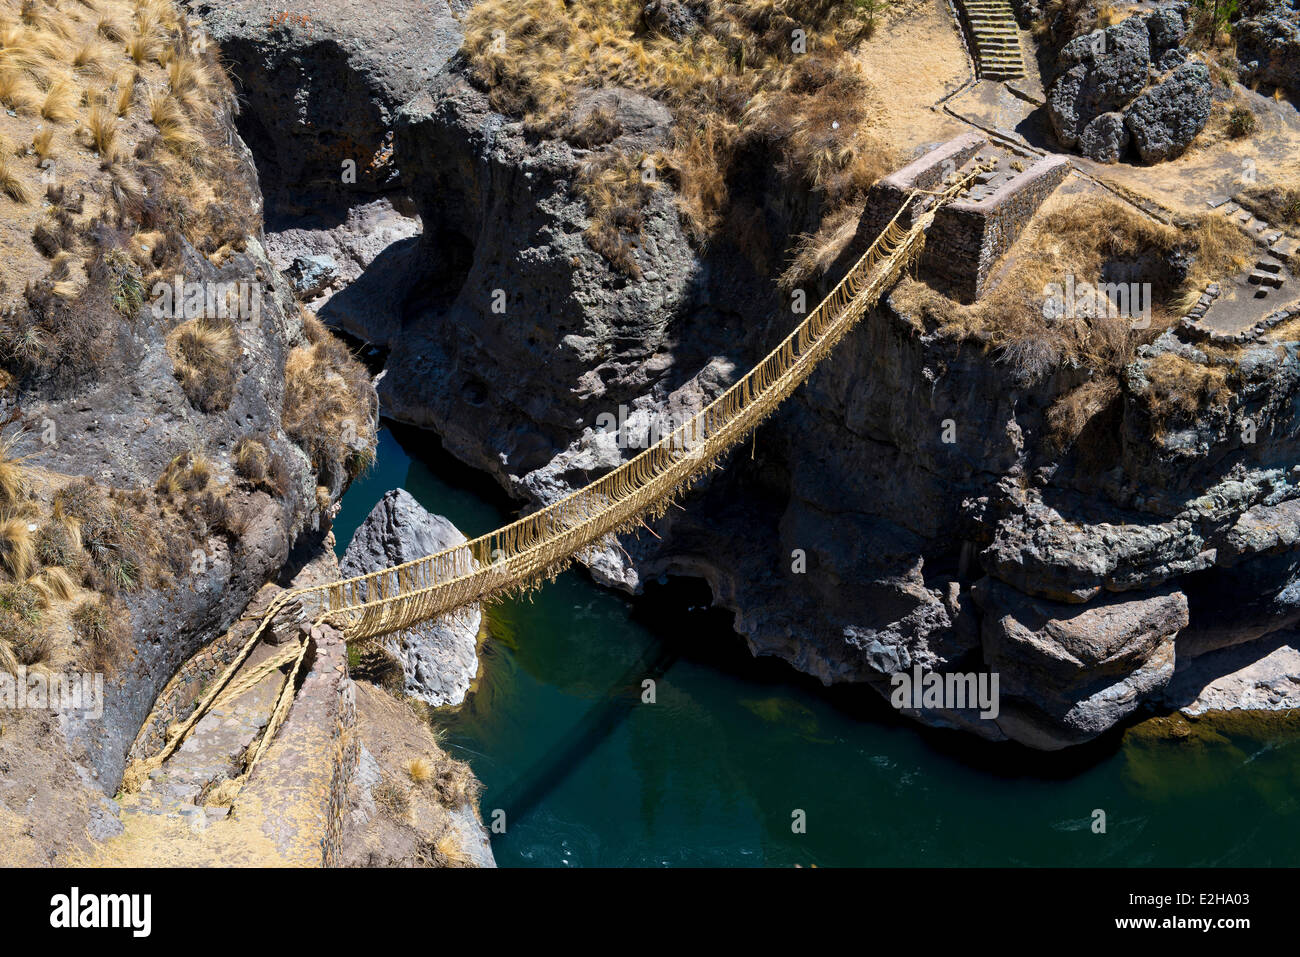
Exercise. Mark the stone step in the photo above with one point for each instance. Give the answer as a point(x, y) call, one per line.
point(1285, 248)
point(1260, 278)
point(1267, 266)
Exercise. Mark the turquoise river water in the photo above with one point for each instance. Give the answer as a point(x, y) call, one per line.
point(715, 770)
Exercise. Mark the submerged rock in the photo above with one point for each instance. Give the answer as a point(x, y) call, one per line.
point(439, 658)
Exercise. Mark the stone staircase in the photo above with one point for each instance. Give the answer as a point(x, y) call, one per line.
point(1270, 272)
point(995, 39)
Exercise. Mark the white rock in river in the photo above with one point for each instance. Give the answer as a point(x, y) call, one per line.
point(439, 658)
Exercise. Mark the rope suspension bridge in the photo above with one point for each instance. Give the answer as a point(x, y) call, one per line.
point(538, 547)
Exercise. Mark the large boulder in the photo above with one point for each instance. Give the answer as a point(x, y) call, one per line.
point(1104, 70)
point(1165, 119)
point(1070, 672)
point(1105, 139)
point(1166, 27)
point(439, 658)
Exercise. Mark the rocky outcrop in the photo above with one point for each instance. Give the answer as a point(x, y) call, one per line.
point(1105, 138)
point(408, 804)
point(439, 658)
point(1268, 44)
point(1106, 76)
point(1069, 672)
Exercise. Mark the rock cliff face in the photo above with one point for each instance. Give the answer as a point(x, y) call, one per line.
point(904, 508)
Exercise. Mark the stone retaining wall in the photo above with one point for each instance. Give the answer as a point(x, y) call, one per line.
point(969, 237)
point(347, 751)
point(183, 691)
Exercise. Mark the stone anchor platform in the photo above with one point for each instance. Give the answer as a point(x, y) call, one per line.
point(972, 233)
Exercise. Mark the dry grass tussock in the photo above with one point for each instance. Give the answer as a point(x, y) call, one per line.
point(1078, 238)
point(329, 407)
point(45, 565)
point(733, 83)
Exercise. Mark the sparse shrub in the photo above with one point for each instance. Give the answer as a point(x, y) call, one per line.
point(104, 628)
point(187, 473)
point(1178, 388)
point(59, 544)
point(252, 459)
point(54, 233)
point(53, 584)
point(419, 769)
point(329, 409)
point(14, 482)
point(17, 547)
point(1241, 122)
point(43, 144)
point(391, 798)
point(22, 642)
point(102, 130)
point(12, 183)
point(16, 92)
point(125, 283)
point(60, 102)
point(114, 542)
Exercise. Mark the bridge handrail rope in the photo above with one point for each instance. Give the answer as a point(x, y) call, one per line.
point(539, 546)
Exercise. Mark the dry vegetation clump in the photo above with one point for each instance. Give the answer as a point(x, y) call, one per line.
point(103, 628)
point(734, 83)
point(41, 562)
point(204, 353)
point(1178, 388)
point(262, 468)
point(124, 543)
point(186, 474)
point(1078, 238)
point(329, 409)
point(392, 798)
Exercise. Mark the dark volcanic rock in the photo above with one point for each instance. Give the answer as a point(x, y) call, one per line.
point(439, 658)
point(1103, 71)
point(1268, 43)
point(1165, 119)
point(312, 275)
point(1105, 139)
point(1166, 26)
point(1106, 73)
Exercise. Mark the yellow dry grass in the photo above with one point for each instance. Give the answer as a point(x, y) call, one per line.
point(1075, 236)
point(742, 79)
